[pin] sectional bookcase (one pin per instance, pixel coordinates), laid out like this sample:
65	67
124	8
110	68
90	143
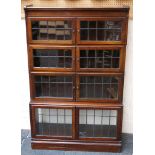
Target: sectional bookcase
76	59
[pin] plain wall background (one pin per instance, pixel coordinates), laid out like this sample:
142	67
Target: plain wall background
127	97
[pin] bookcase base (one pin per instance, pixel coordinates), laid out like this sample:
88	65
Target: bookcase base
106	146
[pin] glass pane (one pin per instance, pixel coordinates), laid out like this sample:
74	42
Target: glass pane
98	87
51	24
61	62
35	24
51	30
68	24
116	53
43	24
68	62
99	58
52	34
53	122
59	24
113	24
84	34
92	24
35	34
54	86
97	123
100	24
52	58
109	35
84	24
68	34
60	34
100	30
43	34
100	34
92	34
115	62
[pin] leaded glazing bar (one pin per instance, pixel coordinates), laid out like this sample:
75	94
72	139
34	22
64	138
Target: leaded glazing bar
99	58
53	122
51	30
97	123
53	86
52	58
98	87
100	30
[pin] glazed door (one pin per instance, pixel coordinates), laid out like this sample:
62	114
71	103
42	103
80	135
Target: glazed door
101	30
99	87
52	122
74	122
99	123
49	58
53	86
101	59
51	30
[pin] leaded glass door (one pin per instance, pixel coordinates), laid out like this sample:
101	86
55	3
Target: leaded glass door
51	30
99	87
49	58
53	86
99	123
52	121
101	31
105	58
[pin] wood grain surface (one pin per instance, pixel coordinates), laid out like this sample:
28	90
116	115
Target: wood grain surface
78	4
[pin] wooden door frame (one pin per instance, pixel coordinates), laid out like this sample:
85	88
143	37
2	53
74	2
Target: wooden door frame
75	121
32	86
119	123
33	121
54	42
120	87
102	47
89	42
30	55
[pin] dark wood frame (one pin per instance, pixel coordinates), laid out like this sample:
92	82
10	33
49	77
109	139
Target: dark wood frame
75	120
104	47
75	143
55	42
119	110
51	74
123	35
32	114
120	87
76	14
76	86
31	47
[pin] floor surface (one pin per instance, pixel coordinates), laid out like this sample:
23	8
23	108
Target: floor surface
26	147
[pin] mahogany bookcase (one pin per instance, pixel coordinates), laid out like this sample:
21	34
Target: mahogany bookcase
76	59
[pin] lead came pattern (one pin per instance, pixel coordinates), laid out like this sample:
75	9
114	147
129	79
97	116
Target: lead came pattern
51	30
53	58
53	122
97	123
99	58
53	86
100	30
98	87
